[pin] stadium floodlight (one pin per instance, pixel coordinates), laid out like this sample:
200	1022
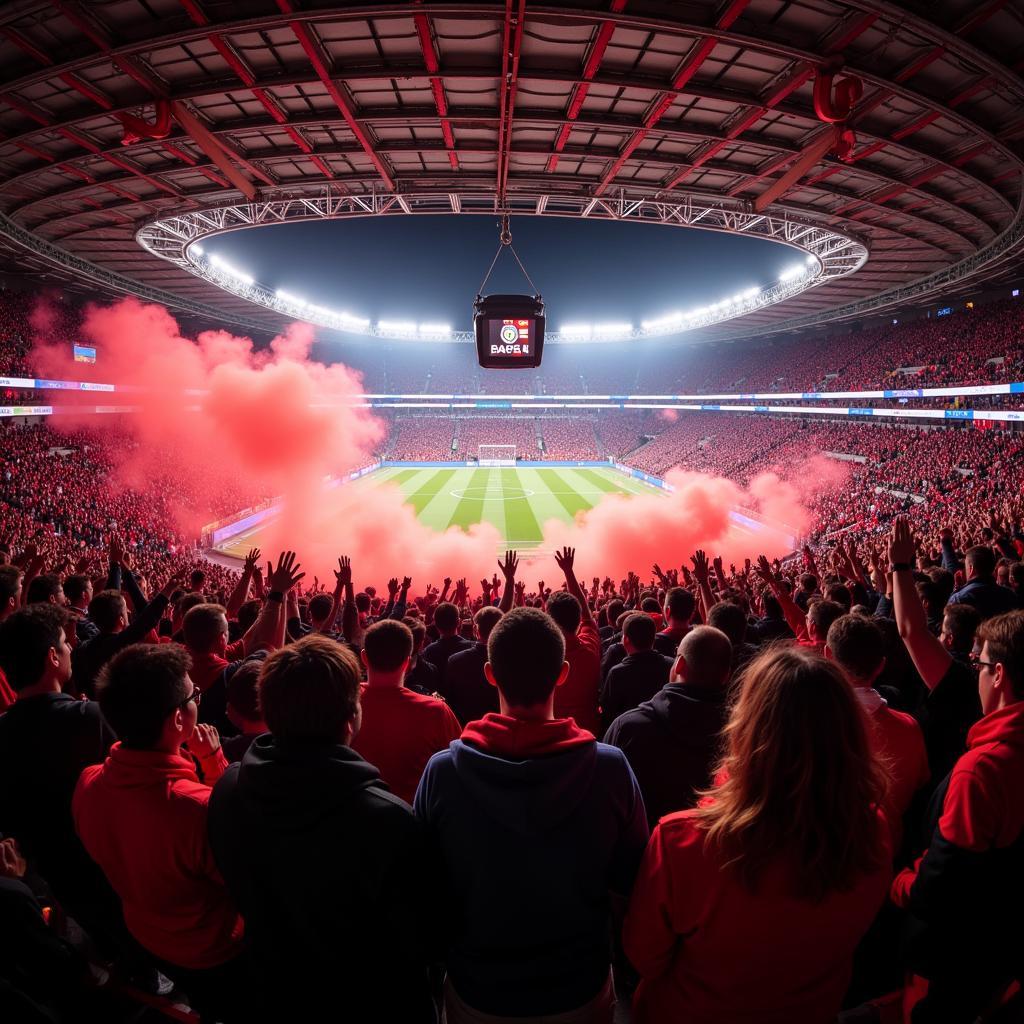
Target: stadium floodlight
441	330
397	326
354	321
669	320
811	260
791	273
611	330
288	297
227	269
752	293
197	249
576	330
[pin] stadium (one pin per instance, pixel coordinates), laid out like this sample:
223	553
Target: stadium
458	463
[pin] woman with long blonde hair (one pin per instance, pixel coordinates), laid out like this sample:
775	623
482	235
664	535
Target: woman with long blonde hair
749	907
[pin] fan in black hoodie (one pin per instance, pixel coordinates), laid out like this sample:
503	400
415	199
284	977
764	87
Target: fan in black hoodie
672	740
318	854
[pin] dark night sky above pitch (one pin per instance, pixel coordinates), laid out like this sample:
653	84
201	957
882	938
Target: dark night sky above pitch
429	268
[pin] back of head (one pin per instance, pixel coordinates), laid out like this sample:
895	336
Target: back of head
203	627
839	593
981	559
363	603
800	779
10	585
446	618
485	620
857	646
639	629
944	580
565	610
808	582
959	624
106	609
679	605
772	608
188	601
650	606
731	620
526	651
45	589
76	588
1016	575
613	609
1004	635
707	653
418	630
821	615
248	614
309	691
140	688
243	690
388	645
26	639
320	608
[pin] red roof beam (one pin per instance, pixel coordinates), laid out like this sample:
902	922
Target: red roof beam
511	47
436	86
319	64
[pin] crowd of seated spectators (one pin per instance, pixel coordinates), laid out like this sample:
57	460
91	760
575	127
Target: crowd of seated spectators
473	431
569	438
423	439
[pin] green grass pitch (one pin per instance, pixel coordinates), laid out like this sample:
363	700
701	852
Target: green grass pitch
517	501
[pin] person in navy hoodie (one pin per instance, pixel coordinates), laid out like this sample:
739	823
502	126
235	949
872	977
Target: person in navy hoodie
537	825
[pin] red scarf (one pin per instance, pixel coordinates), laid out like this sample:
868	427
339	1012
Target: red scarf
505	736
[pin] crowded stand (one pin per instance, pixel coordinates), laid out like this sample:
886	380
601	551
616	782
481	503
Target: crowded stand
244	794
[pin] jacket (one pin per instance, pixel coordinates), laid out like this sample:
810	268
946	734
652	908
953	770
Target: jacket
672	744
466	688
636	678
710	950
987	597
534	822
141	815
327	868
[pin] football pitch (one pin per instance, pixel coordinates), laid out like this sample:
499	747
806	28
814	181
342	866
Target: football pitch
518	501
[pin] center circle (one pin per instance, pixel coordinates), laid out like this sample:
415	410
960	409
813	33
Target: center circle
507	493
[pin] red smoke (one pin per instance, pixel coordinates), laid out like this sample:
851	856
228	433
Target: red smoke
281	423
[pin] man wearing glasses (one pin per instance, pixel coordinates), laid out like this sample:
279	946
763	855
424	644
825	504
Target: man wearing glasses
141	815
965	890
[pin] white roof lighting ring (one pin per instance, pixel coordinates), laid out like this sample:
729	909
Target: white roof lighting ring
827	255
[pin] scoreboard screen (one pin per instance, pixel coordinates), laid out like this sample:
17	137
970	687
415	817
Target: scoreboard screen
509	338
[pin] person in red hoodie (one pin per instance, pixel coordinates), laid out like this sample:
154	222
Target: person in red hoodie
141	815
965	890
750	906
578	696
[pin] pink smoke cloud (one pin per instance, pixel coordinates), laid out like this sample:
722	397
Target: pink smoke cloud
282	423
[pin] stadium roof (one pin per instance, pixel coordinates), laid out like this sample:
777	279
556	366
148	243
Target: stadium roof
557	109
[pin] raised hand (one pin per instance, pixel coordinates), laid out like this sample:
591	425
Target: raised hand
901	542
764	571
252	560
565	559
343	574
286	575
509	565
82	565
176	581
701	567
116	549
393	586
406	583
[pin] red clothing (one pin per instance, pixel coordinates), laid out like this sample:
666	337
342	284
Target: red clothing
141	815
206	669
898	740
400	732
577	697
516	739
7	695
709	950
983	809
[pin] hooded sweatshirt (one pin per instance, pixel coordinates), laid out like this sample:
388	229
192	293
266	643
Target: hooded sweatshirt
327	867
672	743
141	815
535	823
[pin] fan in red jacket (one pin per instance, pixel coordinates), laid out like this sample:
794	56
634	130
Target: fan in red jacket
966	888
750	906
141	816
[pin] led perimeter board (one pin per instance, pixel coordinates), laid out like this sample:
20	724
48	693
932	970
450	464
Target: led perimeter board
509	331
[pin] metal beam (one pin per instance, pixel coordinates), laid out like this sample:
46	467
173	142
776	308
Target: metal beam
511	46
432	65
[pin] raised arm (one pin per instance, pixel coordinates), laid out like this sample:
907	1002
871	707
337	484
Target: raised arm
268	631
349	614
926	651
508	570
795	618
702	574
566	560
241	591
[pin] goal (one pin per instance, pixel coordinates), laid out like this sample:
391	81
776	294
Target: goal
496	454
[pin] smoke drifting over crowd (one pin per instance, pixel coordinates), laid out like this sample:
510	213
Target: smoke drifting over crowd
217	410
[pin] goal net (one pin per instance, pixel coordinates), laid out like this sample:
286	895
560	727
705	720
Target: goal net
496	454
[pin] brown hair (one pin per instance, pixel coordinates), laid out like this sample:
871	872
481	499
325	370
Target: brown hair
1004	635
203	626
798	777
